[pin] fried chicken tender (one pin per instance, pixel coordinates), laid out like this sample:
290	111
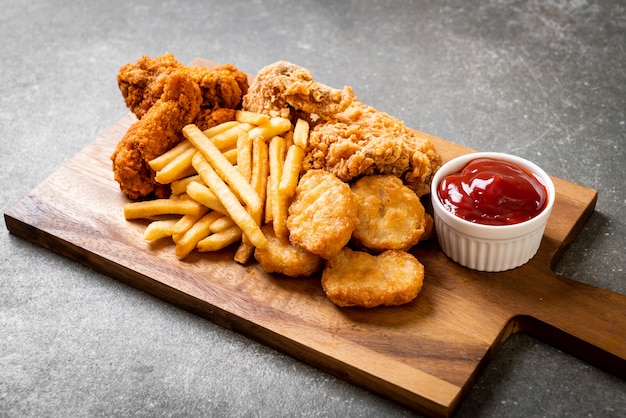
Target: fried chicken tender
391	216
280	256
287	90
356	278
364	141
323	214
165	95
154	134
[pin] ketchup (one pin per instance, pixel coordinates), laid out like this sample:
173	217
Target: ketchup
493	192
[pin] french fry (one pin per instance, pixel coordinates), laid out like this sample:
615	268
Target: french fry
159	229
186	222
278	203
222	167
148	208
177	168
291	171
198	231
224	126
253	118
220	240
161	161
301	133
222	223
268	130
228	138
233	206
244	155
202	194
269	201
231	155
180	186
258	180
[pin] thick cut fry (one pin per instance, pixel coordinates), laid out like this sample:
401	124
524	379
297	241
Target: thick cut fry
244	155
177	168
228	138
269	211
222	167
222	223
291	171
159	229
268	130
301	133
220	240
231	155
278	203
260	171
145	209
186	222
253	118
161	161
233	206
202	194
222	127
197	232
180	186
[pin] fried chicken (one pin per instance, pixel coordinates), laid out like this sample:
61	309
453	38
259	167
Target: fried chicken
348	138
142	84
356	278
165	95
391	216
364	141
156	132
323	214
287	90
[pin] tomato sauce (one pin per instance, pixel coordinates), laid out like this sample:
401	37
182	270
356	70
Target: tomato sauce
493	192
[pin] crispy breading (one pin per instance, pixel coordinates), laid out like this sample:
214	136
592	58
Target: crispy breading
364	141
323	214
280	256
356	278
165	95
287	90
156	132
391	216
142	84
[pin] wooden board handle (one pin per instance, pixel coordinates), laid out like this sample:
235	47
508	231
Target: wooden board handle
583	320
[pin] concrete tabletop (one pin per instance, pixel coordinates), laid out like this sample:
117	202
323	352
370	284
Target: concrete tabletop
542	80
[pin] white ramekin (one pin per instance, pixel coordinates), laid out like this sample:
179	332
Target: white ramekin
488	247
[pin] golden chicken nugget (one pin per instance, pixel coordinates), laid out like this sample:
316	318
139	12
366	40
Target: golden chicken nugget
357	278
323	214
391	216
280	256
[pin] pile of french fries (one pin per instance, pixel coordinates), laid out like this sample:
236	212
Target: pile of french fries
226	182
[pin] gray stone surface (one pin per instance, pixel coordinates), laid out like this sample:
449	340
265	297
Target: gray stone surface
543	80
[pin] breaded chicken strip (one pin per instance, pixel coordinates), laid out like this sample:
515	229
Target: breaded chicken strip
364	141
356	278
287	90
323	214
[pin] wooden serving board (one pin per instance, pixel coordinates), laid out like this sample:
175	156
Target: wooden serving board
425	355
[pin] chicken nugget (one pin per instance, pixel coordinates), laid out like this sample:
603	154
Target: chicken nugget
357	278
323	214
391	216
280	256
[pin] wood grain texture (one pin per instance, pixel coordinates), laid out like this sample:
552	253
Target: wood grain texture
425	355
